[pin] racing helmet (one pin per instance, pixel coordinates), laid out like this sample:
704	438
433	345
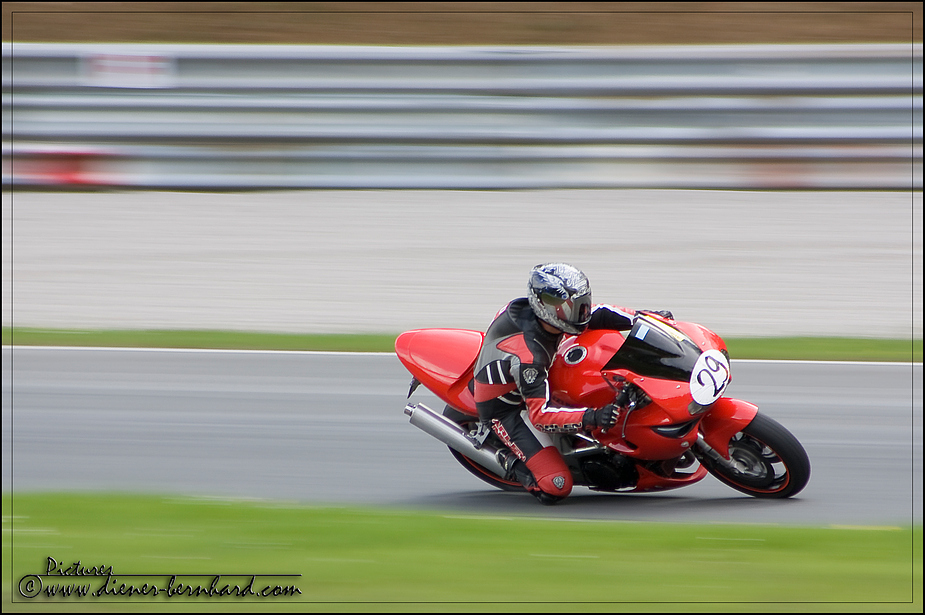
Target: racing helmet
560	295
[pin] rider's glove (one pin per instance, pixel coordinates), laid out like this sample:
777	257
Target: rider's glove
605	417
663	313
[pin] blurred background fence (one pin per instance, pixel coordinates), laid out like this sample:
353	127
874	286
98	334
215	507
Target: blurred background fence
280	116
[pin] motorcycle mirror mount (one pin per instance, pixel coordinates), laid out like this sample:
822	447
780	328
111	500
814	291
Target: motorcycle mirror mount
614	379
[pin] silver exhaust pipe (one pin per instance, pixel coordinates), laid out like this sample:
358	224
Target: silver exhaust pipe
453	436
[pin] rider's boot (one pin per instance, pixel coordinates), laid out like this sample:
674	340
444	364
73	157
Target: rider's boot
518	470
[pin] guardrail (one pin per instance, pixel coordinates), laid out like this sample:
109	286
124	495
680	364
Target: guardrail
227	117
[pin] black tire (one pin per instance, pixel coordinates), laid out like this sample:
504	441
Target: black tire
469	422
775	465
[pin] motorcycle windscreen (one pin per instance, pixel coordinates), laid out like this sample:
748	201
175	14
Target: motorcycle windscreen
657	350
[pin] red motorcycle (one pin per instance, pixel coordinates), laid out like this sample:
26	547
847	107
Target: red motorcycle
675	425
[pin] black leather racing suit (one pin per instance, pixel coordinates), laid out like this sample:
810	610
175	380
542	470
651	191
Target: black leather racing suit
511	375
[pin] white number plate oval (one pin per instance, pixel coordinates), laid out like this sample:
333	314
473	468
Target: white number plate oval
710	377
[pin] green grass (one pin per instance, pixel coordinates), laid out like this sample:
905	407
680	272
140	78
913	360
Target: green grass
198	339
363	559
826	349
794	348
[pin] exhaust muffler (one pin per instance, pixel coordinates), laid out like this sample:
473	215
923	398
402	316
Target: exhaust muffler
454	436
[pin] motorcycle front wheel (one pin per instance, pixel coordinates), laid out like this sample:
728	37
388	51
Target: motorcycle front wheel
469	423
769	461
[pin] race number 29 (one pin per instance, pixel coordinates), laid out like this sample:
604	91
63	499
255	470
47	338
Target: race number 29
710	377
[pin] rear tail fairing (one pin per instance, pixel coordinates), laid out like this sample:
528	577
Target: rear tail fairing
442	360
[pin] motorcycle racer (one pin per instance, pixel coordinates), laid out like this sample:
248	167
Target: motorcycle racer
512	369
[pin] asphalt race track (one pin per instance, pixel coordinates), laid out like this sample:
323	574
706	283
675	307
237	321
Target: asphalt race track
328	428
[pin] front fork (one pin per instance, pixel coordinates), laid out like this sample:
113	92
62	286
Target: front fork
706	450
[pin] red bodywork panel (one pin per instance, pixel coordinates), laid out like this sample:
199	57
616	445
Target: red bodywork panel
578	379
442	359
580	384
700	335
727	417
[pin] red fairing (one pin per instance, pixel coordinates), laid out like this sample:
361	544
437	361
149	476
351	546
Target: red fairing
650	481
575	376
578	378
727	417
578	382
700	335
442	359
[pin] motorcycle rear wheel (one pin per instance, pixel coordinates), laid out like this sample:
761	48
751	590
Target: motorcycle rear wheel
771	462
470	423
